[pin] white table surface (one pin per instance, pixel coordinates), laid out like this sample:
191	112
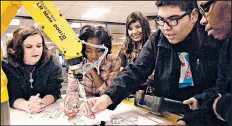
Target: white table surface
124	114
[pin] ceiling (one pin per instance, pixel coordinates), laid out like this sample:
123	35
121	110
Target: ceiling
119	10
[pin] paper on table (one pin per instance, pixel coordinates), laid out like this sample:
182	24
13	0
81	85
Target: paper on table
124	114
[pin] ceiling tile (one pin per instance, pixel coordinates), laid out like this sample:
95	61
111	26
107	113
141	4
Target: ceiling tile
110	6
96	4
119	10
87	3
148	9
23	12
125	8
78	9
72	15
63	7
64	2
136	2
115	16
114	2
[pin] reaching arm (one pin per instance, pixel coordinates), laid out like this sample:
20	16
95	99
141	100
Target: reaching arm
72	94
134	74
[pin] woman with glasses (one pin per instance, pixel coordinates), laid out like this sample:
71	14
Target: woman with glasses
94	84
183	56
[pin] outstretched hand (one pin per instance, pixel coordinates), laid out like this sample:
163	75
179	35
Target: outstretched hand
96	105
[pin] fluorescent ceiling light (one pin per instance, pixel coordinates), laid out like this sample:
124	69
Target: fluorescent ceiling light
76	25
95	13
15	22
9	34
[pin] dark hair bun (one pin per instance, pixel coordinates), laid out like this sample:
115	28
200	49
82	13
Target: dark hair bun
86	32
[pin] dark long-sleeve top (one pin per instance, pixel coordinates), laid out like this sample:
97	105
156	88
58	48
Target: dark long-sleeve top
224	80
225	67
162	56
47	79
205	115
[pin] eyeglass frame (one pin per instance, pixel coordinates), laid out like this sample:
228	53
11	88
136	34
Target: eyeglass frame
165	20
204	8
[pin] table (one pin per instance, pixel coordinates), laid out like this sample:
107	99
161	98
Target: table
124	114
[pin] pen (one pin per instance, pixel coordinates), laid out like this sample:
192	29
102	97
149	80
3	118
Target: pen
198	63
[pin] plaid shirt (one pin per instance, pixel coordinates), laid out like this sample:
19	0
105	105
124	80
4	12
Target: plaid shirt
109	69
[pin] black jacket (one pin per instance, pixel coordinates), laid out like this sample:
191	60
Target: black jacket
224	80
47	79
162	56
205	114
225	67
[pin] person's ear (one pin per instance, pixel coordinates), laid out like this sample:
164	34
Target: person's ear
194	15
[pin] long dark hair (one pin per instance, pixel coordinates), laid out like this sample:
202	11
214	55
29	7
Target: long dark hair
15	51
99	32
129	44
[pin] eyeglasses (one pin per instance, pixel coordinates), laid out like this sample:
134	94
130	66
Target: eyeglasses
204	8
171	22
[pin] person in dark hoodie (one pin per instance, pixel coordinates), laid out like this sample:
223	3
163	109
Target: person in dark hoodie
183	56
34	74
215	103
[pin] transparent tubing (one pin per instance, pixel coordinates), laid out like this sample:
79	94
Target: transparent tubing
98	62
